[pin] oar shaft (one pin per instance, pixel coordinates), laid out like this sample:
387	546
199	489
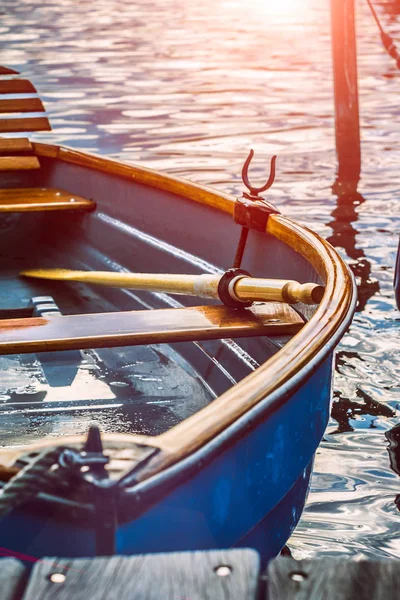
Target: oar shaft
204	286
277	290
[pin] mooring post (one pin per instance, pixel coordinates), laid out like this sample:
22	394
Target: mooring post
344	52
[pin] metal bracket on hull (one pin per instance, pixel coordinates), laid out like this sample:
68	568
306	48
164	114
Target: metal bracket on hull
89	466
251	210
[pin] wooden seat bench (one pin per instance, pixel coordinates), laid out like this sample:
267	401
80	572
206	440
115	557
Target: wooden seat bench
17	154
15	123
16	145
41	199
19	163
12	148
131	328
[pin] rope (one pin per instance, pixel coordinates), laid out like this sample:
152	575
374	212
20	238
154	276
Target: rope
34	478
387	40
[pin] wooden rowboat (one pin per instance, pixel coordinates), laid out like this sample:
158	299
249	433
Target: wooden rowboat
211	414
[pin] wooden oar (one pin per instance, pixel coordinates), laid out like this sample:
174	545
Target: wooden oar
242	288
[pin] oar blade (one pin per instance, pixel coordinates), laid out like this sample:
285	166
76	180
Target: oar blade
60	274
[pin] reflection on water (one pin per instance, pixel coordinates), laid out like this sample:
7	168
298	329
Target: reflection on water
189	88
344	236
346	411
391	8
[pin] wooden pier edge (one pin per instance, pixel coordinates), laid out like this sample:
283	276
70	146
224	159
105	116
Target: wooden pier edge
200	575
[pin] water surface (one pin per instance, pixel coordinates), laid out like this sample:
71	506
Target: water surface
188	88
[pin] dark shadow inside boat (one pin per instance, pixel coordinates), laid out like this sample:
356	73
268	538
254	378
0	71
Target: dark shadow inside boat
135	389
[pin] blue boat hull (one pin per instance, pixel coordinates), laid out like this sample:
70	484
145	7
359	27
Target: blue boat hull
247	491
234	469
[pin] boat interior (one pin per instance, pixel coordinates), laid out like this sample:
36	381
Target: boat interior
126	368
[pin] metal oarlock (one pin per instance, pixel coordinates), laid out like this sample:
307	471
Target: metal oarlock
245	177
252	211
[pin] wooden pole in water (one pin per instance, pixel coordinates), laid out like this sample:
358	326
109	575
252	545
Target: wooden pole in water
346	95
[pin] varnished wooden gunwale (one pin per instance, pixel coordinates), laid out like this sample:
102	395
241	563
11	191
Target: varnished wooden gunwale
331	315
295	355
131	328
176	185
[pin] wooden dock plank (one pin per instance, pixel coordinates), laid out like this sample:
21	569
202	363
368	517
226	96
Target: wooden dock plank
333	579
19	163
200	575
13	576
41	199
130	328
175	576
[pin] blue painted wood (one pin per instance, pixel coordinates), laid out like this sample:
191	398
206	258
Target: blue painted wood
229	497
251	493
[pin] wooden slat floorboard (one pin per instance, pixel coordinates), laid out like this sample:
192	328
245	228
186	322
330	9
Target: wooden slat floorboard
18	163
41	199
24	124
8	145
131	328
333	579
13	576
21	105
198	576
175	576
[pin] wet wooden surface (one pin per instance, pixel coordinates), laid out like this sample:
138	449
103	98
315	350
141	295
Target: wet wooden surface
211	575
145	327
40	199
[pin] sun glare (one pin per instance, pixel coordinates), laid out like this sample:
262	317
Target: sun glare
280	7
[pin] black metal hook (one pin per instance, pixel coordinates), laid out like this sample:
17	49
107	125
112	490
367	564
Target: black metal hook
253	190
